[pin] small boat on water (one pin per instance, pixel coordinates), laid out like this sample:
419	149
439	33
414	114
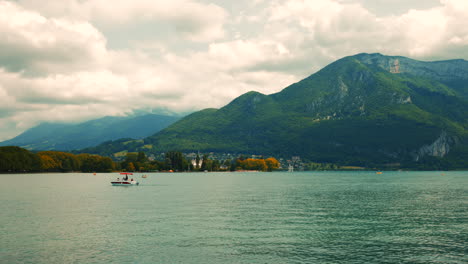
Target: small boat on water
124	181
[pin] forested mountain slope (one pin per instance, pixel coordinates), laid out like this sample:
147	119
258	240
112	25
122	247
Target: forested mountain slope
367	109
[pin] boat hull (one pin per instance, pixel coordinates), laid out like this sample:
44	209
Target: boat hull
124	183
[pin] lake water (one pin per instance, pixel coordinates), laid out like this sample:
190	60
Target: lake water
303	217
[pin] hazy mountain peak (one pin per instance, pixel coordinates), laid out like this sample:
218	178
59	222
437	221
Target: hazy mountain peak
55	136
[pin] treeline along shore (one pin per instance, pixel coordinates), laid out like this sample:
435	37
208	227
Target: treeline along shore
20	160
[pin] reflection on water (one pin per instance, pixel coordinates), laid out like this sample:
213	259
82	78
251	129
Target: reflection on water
313	217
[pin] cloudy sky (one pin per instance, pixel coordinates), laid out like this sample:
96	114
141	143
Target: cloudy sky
75	60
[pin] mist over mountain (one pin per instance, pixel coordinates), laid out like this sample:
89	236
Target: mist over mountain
50	136
367	109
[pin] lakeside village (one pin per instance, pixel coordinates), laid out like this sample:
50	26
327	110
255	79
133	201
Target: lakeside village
16	159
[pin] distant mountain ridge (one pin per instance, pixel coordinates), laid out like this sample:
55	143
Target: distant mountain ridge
367	109
66	137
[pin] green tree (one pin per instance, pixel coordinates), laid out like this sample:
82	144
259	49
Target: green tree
215	165
197	162
131	157
142	157
16	159
95	163
175	161
205	161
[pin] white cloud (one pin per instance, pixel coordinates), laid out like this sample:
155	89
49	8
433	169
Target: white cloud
242	55
59	61
35	44
187	18
332	29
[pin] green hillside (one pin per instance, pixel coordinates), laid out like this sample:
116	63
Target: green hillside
367	110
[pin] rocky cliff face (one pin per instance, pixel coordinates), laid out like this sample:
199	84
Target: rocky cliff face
439	148
439	70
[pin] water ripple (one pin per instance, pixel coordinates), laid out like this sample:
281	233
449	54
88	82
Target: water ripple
326	217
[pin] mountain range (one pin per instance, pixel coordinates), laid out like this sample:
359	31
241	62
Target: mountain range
66	137
365	110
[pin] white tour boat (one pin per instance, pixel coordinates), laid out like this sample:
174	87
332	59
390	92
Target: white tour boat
125	181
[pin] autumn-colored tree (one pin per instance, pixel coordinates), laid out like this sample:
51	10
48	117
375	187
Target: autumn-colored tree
48	163
261	165
272	164
130	166
258	164
64	161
